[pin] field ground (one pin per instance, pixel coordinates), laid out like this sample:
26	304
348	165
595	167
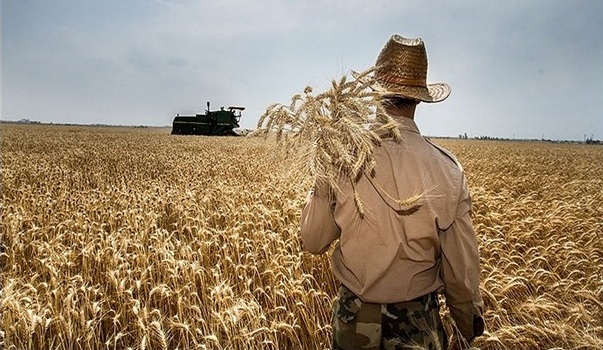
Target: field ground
116	238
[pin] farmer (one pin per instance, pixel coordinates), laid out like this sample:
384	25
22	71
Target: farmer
393	261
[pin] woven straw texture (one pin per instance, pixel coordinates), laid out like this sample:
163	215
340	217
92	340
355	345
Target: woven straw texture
401	71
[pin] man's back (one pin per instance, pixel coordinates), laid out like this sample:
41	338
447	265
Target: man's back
392	254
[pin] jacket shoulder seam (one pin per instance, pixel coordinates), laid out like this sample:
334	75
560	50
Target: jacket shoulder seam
446	153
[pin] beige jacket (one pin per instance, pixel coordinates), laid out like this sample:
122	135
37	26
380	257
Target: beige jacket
397	253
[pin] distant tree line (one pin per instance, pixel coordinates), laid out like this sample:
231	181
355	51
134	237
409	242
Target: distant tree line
27	121
588	141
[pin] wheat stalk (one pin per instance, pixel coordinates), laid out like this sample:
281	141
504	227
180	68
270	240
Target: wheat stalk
103	243
333	134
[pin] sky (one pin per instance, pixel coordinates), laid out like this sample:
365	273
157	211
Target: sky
517	68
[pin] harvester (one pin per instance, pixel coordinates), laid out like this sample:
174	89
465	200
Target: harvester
214	123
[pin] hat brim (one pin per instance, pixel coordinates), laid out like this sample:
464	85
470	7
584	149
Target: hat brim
432	93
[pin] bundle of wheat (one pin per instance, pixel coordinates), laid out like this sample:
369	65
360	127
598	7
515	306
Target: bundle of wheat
332	135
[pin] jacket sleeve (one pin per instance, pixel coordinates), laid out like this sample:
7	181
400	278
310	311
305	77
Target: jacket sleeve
461	270
318	226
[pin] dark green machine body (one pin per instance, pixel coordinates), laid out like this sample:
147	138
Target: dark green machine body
215	123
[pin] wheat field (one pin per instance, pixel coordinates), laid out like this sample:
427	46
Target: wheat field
131	238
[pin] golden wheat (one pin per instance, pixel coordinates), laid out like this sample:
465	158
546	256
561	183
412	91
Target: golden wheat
332	135
119	238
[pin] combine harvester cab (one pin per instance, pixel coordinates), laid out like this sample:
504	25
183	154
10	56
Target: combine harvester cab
212	123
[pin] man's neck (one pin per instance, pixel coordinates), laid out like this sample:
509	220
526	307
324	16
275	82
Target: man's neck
407	111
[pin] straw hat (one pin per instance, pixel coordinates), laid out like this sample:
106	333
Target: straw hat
401	71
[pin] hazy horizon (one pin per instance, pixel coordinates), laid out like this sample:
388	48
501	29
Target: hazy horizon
518	69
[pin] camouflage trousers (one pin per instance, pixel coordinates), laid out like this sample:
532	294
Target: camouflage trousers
413	324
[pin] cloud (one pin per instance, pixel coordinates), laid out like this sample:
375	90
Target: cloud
177	61
143	62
